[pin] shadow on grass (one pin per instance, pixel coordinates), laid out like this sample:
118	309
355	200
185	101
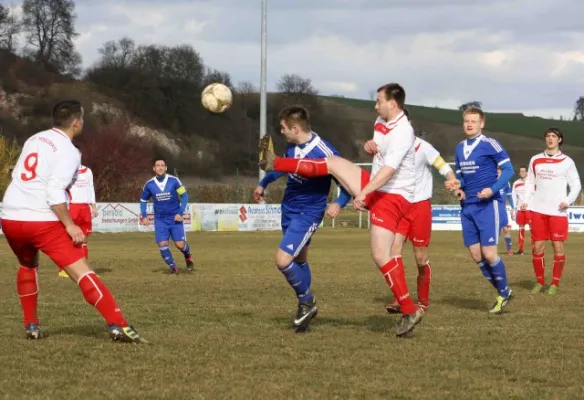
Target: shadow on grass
523	284
374	323
94	331
467	303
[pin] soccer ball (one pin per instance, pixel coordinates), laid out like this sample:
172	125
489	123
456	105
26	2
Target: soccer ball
216	98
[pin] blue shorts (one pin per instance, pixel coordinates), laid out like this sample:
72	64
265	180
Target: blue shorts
503	219
298	230
164	229
481	223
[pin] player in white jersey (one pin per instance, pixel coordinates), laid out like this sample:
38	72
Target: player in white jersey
35	217
521	217
417	224
82	205
549	176
388	192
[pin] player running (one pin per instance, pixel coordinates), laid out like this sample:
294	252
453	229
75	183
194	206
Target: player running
417	224
170	199
522	217
477	158
546	194
303	208
387	192
82	205
35	217
505	194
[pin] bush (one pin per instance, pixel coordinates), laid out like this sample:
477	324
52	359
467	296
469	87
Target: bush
9	152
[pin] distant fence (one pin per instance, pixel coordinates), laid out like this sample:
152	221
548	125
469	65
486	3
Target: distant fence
124	217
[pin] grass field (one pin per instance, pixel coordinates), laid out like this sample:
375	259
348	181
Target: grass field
224	331
497	122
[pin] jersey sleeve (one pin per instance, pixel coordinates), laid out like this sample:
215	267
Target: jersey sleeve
180	188
499	154
145	194
399	142
62	173
574	183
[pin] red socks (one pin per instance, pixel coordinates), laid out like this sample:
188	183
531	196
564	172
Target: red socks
521	239
303	167
84	245
28	291
99	296
539	268
559	262
424	279
395	276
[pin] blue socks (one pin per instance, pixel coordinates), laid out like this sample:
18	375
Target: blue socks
307	274
499	274
186	250
508	242
486	270
299	280
167	256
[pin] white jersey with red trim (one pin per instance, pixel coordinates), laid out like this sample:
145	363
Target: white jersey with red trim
518	193
395	144
44	171
425	156
548	179
82	191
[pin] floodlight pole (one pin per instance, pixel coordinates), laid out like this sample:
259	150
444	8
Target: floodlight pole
263	91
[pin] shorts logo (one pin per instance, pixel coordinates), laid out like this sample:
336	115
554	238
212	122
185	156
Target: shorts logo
290	246
375	218
491	240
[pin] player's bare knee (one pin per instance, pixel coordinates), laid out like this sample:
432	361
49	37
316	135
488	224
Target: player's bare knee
421	255
539	247
558	247
163	244
475	253
283	259
490	254
180	245
77	269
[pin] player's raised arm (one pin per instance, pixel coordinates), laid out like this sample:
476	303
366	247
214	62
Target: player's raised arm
574	183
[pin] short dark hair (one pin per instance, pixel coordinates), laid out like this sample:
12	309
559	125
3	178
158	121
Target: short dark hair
394	91
296	115
158	159
65	112
557	132
474	110
406	113
523	166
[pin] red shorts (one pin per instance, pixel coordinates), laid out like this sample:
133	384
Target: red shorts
81	215
548	227
386	209
417	224
523	217
27	238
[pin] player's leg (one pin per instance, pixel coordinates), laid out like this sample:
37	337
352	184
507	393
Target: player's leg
559	232
19	239
54	241
539	235
179	237
471	239
162	236
520	219
397	248
296	237
302	261
347	173
487	219
504	223
508	241
420	235
389	210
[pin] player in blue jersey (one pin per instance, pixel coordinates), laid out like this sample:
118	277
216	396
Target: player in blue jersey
170	199
303	208
477	158
505	194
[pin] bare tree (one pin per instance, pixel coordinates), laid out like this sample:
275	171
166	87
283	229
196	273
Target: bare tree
297	85
214	75
579	109
50	29
9	29
117	54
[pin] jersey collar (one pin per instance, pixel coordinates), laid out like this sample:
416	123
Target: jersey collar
60	132
545	153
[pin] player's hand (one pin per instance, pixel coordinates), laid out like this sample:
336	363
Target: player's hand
453	184
512	213
460	195
145	221
178	218
563	205
333	210
486	193
359	203
76	234
259	194
523	207
370	147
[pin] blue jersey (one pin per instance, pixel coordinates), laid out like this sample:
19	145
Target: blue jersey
306	195
477	160
506	194
168	194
